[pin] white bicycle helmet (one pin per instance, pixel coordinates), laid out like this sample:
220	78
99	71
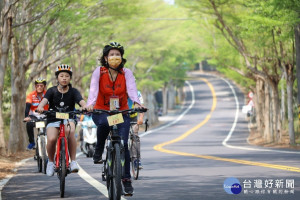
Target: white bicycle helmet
63	68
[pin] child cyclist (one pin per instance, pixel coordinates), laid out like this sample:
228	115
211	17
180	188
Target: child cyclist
61	96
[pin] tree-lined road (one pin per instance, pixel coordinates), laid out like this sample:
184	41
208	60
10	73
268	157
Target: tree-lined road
188	159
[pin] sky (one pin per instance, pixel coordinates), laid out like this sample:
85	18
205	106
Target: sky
170	1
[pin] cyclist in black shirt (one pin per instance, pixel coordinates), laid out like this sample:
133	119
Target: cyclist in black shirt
61	96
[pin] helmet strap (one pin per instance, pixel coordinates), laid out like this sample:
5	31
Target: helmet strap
62	86
117	69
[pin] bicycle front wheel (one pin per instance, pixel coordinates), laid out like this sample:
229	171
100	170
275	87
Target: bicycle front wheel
38	157
134	160
43	155
62	168
116	176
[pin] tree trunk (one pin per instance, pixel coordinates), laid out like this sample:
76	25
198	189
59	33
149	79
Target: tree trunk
259	106
268	136
275	110
171	96
17	137
5	39
181	95
165	99
79	73
289	87
151	104
282	113
297	46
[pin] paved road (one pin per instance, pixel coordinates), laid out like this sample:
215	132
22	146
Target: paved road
191	158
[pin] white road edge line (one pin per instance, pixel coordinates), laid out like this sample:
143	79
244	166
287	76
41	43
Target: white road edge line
234	125
93	182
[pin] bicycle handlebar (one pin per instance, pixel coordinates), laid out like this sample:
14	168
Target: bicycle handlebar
129	111
71	113
37	120
34	118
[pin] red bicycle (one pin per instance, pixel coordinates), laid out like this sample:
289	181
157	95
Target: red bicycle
62	164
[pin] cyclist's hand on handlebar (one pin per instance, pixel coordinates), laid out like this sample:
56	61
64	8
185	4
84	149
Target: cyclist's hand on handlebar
89	108
26	119
139	122
83	108
40	109
138	106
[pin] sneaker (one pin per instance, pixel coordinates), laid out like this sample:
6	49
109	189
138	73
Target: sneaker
50	169
97	157
140	165
74	167
128	189
31	146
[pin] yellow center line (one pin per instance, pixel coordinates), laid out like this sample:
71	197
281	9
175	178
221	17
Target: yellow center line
159	147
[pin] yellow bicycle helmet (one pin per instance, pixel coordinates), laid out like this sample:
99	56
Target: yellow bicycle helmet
40	80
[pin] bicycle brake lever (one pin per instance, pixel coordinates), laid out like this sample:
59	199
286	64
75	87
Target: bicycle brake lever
146	124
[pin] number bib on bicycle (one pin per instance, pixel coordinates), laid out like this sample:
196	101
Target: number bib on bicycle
115	119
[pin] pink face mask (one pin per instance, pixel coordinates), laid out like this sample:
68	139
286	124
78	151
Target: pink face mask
114	61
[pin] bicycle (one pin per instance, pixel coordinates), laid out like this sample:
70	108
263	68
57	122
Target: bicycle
113	165
41	141
62	164
134	150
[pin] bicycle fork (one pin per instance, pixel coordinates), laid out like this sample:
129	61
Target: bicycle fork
122	150
107	169
60	138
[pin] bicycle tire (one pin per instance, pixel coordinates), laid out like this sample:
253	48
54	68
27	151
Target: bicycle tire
117	170
90	150
38	158
134	168
62	168
43	156
108	175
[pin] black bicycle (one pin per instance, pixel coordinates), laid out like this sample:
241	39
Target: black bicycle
134	148
113	165
41	141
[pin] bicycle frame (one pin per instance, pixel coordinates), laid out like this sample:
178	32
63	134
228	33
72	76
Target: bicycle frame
112	139
61	136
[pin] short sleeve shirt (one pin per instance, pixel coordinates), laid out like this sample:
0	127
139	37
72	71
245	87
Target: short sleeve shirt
63	100
34	99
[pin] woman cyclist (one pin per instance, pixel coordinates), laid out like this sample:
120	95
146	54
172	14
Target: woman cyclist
61	96
112	83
